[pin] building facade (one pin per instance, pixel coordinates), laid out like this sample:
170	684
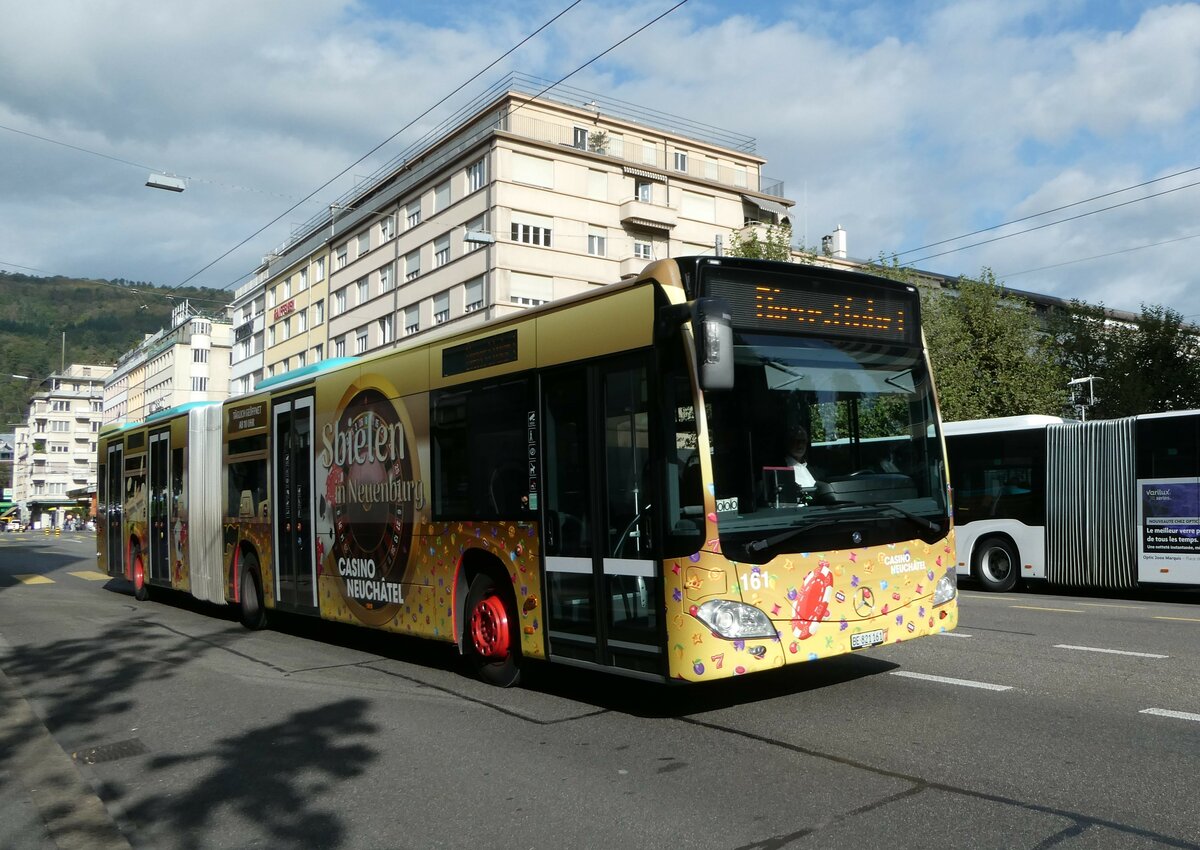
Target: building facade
54	463
517	201
189	362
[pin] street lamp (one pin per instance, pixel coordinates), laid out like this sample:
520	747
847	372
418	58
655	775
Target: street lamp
165	181
1082	406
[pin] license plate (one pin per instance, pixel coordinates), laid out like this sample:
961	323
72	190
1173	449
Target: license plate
862	640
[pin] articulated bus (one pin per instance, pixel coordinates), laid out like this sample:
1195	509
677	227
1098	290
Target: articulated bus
1106	504
592	482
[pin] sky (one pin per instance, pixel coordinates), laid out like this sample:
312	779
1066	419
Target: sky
1053	143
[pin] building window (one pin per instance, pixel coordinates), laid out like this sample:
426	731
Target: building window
363	294
475	176
530	289
441	197
642	190
339	302
60	405
360	341
642	250
441	308
199	385
318	353
579	138
412	266
199	355
681	161
412	319
473	295
300	361
386	228
596	245
531	234
385	279
387	330
302	280
287	289
270	298
413	214
364	243
318	311
339	257
441	250
271	335
301	321
319	270
339	347
59	448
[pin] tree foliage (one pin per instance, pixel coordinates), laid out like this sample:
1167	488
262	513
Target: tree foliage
1149	366
990	356
774	244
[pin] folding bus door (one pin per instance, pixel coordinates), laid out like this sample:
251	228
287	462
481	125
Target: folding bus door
292	503
159	476
603	581
114	494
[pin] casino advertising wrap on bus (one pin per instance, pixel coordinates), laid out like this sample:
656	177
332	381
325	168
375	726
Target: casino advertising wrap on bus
371	493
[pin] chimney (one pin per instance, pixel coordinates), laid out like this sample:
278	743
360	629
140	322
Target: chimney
838	240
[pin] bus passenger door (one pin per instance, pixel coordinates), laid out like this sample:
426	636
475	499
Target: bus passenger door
603	590
292	504
114	535
159	518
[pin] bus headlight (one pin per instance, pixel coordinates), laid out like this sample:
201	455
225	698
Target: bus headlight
947	588
735	620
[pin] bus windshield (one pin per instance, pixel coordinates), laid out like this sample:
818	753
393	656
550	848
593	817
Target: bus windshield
825	444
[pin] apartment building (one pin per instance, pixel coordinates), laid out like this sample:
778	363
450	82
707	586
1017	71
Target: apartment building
188	362
515	201
54	462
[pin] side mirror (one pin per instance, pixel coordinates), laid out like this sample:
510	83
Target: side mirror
712	325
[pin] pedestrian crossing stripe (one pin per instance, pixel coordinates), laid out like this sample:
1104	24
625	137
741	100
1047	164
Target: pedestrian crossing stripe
90	575
32	578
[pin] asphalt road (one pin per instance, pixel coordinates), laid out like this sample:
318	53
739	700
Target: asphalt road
1048	720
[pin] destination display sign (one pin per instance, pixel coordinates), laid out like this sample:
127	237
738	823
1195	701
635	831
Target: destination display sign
817	305
492	350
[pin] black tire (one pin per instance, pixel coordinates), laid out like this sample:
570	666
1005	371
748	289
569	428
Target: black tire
141	587
251	610
491	636
996	564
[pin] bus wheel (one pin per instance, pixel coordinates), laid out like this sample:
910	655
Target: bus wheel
251	610
997	564
141	590
491	638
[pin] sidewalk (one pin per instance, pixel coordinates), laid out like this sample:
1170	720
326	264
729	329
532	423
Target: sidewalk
45	802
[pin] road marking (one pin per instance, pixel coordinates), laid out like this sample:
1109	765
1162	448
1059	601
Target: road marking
1178	619
947	681
90	575
1056	610
1164	712
1099	605
953	634
1109	651
32	578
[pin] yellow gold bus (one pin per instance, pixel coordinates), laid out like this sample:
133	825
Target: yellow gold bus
602	481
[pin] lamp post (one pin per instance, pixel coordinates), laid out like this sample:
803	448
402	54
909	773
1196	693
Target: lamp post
1082	406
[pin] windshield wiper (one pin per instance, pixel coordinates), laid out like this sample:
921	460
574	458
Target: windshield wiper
783	537
924	522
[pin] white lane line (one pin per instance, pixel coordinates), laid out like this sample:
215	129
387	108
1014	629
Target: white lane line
953	634
967	683
1107	605
1165	712
1109	651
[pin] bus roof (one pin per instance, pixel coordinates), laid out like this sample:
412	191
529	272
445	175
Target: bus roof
304	372
999	423
177	409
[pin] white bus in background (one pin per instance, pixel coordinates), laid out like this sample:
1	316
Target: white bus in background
1109	503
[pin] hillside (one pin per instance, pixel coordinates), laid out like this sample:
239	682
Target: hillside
102	320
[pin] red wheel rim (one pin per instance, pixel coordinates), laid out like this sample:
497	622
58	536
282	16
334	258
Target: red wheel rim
139	574
489	628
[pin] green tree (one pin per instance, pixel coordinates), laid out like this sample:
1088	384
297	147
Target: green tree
776	243
1147	366
990	355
